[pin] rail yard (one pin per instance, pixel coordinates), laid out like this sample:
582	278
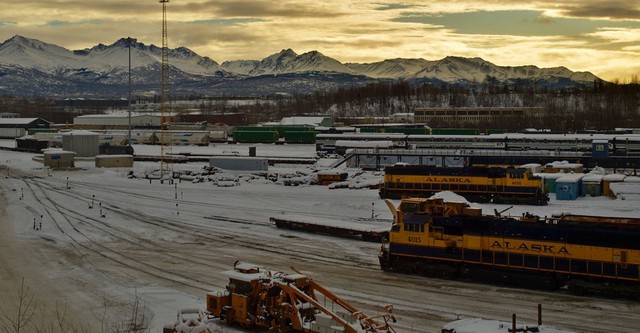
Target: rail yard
93	238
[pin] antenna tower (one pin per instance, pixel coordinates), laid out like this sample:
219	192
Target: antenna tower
166	167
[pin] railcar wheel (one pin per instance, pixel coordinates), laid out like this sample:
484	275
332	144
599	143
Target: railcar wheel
577	288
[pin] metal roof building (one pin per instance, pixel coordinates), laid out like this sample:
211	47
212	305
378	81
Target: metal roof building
17	127
119	120
303	120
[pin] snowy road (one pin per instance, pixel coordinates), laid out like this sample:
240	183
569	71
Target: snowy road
169	244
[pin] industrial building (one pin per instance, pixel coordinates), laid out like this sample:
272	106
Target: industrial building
307	120
119	121
474	114
11	128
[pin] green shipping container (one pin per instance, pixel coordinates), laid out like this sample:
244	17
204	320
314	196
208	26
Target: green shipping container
255	136
455	131
280	129
254	128
371	130
496	131
300	137
409	131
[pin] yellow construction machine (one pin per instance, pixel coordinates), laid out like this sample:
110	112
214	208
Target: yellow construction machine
256	298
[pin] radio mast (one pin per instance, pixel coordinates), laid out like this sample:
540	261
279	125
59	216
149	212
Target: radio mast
165	102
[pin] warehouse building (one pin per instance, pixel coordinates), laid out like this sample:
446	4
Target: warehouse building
11	128
120	121
474	114
307	120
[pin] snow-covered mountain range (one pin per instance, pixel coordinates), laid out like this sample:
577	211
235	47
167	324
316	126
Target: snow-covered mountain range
35	68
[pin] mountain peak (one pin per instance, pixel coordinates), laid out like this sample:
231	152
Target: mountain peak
124	42
287	52
102	66
26	42
18	39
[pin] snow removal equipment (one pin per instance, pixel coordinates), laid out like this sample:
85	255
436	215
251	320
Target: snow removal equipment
256	298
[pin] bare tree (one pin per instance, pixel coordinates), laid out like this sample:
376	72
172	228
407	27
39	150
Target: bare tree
138	318
61	322
23	314
135	319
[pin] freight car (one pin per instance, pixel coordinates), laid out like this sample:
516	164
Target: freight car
480	184
255	136
617	144
451	239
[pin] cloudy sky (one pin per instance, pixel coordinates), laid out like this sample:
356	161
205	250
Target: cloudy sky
599	36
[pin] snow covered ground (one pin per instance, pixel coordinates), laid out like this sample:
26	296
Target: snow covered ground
106	237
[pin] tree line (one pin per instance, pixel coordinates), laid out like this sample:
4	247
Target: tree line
601	106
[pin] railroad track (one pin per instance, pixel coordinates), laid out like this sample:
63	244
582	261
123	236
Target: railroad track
422	304
200	232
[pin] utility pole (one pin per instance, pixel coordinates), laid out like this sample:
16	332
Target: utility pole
130	40
165	102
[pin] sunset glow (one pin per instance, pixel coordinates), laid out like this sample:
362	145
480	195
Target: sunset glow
598	36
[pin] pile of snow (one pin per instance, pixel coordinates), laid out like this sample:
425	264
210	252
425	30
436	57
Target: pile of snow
629	189
450	196
535	167
361	180
296	179
225	179
563	166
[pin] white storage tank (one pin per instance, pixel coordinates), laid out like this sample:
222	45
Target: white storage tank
83	143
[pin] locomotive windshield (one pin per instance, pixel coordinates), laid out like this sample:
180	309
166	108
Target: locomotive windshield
517	173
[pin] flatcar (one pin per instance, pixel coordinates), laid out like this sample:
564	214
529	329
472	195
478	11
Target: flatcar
480	184
453	240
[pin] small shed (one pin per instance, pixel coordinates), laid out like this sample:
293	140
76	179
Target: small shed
608	180
568	187
592	184
600	149
114	161
59	159
238	163
84	143
549	180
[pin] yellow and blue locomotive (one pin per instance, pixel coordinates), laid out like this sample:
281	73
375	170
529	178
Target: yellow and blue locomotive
450	239
480	184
